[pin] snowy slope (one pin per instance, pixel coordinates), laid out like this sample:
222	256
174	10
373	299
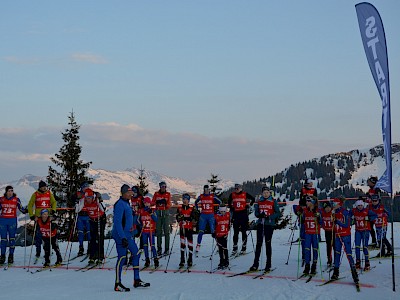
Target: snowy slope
97	284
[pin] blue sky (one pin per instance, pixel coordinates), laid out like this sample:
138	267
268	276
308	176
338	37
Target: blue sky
242	89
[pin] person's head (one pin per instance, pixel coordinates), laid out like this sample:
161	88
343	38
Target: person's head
147	201
222	209
310	202
206	189
359	204
337	203
163	186
266	191
89	195
238	187
126	191
44	214
185	198
42	186
375	199
327	206
308	184
371	181
135	190
9	191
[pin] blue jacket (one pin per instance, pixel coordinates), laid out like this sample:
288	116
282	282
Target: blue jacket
271	220
124	220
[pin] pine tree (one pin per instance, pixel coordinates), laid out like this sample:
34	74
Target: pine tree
143	186
71	173
213	182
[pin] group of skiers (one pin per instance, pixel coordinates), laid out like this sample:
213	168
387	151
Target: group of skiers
367	212
143	217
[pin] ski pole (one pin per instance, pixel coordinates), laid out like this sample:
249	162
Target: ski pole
298	251
291	243
25	242
33	241
319	253
70	249
212	253
169	256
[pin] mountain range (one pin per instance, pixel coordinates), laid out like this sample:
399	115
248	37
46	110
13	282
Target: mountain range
342	173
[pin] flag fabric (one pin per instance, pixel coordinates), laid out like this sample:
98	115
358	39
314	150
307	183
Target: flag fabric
374	41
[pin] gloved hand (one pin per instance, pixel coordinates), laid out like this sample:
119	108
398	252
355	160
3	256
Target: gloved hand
125	243
266	218
148	209
179	217
213	235
32	218
317	214
261	215
366	218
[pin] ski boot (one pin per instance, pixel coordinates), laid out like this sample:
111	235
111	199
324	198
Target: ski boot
159	252
81	251
267	267
306	269
354	274
118	287
335	275
156	263
182	263
388	253
234	250
2	259
46	264
313	269
358	264
190	260
253	268
91	261
10	259
147	263
243	250
367	266
226	264
138	283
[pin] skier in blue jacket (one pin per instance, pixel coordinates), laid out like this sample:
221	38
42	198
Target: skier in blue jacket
124	235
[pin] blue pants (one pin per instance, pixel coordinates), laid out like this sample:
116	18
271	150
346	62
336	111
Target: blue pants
362	237
83	226
303	240
121	261
204	219
8	228
345	242
146	239
38	240
311	240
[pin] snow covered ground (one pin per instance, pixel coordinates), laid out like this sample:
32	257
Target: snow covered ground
60	283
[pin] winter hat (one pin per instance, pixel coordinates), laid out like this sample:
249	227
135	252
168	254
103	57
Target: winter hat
359	202
44	211
222	208
42	184
307	182
125	188
162	184
186	196
265	188
373	179
375	197
89	193
237	185
147	200
206	186
9	187
135	189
